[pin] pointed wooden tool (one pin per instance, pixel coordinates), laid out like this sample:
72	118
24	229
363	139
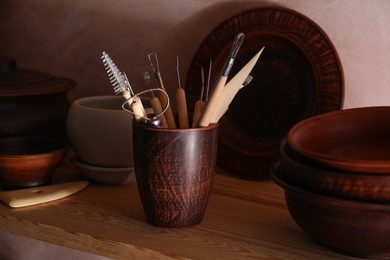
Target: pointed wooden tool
232	87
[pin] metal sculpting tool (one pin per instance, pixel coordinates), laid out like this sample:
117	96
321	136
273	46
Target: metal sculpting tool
181	100
155	102
199	104
214	99
122	86
156	70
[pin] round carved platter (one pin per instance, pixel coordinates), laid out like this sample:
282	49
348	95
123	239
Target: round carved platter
297	76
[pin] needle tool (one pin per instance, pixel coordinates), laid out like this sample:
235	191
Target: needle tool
122	87
155	102
215	96
208	81
199	104
163	98
181	100
233	86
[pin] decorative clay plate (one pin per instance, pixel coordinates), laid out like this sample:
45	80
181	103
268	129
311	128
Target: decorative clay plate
297	76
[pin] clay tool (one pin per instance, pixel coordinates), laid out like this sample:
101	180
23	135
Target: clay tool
208	81
31	196
155	102
226	99
199	104
181	100
215	96
122	87
163	99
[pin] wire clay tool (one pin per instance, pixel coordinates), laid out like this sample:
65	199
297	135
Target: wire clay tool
233	86
155	102
181	100
163	98
215	96
122	87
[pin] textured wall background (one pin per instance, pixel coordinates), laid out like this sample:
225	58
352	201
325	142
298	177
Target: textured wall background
66	38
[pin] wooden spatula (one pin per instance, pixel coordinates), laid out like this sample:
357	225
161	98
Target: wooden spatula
41	194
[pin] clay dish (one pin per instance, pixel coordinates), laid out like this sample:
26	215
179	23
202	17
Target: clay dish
356	228
105	175
292	80
354	140
29	161
308	174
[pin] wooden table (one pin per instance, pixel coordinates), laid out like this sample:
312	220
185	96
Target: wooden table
244	219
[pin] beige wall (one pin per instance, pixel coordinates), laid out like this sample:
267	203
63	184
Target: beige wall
67	37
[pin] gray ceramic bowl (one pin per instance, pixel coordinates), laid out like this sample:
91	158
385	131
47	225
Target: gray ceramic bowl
100	131
105	175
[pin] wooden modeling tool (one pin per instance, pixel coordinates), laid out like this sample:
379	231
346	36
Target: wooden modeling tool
155	102
31	196
226	98
214	99
122	87
181	100
233	86
164	101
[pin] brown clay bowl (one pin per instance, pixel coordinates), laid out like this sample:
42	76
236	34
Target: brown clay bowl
356	228
310	175
29	161
356	140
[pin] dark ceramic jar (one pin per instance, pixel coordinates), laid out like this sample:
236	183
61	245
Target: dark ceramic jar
32	103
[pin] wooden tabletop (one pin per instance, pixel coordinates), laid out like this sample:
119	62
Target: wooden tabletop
244	219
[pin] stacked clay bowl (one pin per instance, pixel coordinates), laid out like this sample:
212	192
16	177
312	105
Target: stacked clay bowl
335	170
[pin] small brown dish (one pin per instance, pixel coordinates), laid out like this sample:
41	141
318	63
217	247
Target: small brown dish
355	228
308	174
29	161
354	140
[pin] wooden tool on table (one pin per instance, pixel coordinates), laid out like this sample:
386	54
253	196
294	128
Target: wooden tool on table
36	195
214	99
232	87
156	103
122	87
181	101
164	101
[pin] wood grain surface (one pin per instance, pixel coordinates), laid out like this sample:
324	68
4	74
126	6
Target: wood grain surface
244	219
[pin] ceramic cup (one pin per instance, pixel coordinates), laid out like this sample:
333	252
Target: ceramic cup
174	171
100	131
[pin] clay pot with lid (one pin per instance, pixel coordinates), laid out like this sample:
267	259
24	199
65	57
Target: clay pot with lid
32	103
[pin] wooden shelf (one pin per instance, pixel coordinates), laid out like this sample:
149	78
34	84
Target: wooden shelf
244	219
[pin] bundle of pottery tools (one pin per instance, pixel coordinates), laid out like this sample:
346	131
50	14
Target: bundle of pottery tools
206	111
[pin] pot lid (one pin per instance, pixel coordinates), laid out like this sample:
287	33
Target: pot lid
24	82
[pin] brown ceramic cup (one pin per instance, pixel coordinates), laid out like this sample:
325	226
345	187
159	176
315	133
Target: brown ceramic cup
174	171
